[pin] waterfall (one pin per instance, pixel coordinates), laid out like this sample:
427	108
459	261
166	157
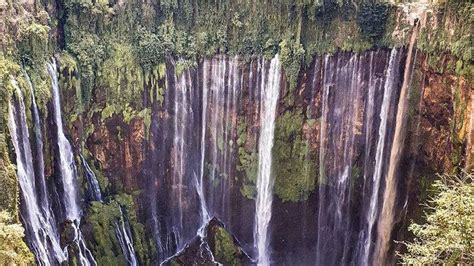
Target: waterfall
93	184
270	88
124	236
357	103
219	106
200	182
67	167
179	123
385	223
379	157
40	229
40	178
470	137
66	157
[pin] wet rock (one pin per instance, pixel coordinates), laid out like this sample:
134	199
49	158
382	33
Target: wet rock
217	246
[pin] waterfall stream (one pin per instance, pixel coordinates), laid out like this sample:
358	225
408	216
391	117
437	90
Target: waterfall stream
67	167
124	236
358	96
387	216
93	184
36	214
270	88
379	157
353	96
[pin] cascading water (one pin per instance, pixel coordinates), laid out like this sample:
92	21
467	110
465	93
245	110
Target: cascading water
270	88
379	157
93	184
40	178
353	99
39	222
124	236
351	95
220	92
67	167
387	213
200	182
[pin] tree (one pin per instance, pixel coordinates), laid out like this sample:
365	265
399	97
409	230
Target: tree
447	237
13	251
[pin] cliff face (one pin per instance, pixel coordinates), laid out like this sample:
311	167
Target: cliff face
158	115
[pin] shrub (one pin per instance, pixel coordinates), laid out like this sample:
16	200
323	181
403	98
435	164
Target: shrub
372	18
447	236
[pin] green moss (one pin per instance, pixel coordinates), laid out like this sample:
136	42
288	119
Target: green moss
451	34
89	50
292	54
13	250
294	169
106	248
457	129
9	190
225	249
372	18
248	162
107	112
102	218
33	43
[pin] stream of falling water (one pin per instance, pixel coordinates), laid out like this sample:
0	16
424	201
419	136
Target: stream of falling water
39	221
200	182
270	89
353	99
218	127
67	167
358	95
387	213
379	162
124	236
94	188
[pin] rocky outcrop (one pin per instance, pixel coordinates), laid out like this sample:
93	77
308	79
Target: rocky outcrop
216	247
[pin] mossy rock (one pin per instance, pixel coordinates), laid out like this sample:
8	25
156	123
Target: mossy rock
293	162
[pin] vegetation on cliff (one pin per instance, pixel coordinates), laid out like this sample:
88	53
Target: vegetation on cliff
294	167
13	251
447	237
112	57
103	218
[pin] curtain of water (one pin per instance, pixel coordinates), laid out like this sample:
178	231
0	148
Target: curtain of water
36	213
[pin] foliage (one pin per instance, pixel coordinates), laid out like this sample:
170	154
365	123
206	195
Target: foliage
248	162
9	194
13	251
154	48
447	237
295	174
249	165
225	249
372	18
292	54
33	43
121	77
448	30
102	217
89	50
